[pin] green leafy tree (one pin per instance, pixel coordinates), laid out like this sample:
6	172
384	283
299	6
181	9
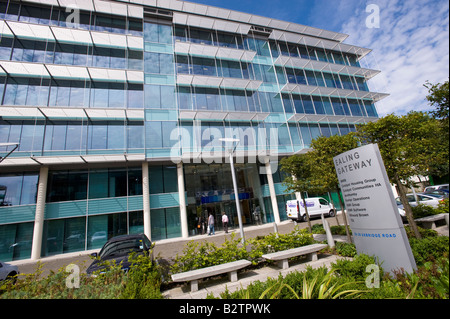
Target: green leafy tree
439	98
324	149
315	171
299	178
409	146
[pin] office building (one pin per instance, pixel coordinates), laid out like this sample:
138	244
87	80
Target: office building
113	113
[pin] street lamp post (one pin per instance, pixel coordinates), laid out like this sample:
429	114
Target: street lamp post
233	175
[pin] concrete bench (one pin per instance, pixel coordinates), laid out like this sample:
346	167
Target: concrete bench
283	256
194	275
430	222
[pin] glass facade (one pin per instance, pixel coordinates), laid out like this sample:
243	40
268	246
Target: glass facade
98	97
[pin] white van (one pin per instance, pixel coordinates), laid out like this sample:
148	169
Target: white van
316	207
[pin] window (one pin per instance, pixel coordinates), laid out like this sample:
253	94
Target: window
157	33
165	223
67	186
64	236
308	104
323	201
16	233
18	189
135	135
103	227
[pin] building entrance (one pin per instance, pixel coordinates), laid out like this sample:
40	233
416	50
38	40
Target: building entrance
210	191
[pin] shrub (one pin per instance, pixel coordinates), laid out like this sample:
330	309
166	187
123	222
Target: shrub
355	268
442	207
335	230
339	230
198	255
142	281
426	249
425	233
345	249
422	210
311	284
272	242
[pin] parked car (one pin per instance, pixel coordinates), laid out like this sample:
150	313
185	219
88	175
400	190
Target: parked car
442	188
426	199
118	249
316	206
8	272
430	199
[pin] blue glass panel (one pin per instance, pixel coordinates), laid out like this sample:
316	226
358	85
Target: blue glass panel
308	104
298	105
318	105
98	184
306	135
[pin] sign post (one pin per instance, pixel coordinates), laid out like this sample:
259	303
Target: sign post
371	208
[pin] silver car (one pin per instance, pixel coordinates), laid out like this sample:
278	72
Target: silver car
8	271
426	199
431	200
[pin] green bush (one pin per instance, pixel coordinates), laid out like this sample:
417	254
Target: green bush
429	248
425	233
142	281
273	242
422	210
311	284
345	249
355	268
198	255
335	230
442	207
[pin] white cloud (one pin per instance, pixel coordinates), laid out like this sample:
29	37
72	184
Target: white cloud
410	47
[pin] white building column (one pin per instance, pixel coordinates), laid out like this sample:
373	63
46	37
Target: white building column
273	194
146	200
39	215
182	200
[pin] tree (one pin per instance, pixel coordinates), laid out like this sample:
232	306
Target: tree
324	149
439	98
409	146
315	171
298	180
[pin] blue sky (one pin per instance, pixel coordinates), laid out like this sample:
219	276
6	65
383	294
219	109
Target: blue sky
410	47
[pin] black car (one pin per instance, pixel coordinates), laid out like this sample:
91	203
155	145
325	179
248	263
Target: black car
118	249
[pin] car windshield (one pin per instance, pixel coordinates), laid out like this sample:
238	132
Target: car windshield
122	247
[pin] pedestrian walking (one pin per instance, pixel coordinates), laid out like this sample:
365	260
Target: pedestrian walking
225	222
211	224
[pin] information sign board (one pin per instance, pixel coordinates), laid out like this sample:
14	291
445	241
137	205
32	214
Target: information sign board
371	208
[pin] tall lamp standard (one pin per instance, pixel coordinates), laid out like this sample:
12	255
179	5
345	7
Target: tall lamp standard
231	149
